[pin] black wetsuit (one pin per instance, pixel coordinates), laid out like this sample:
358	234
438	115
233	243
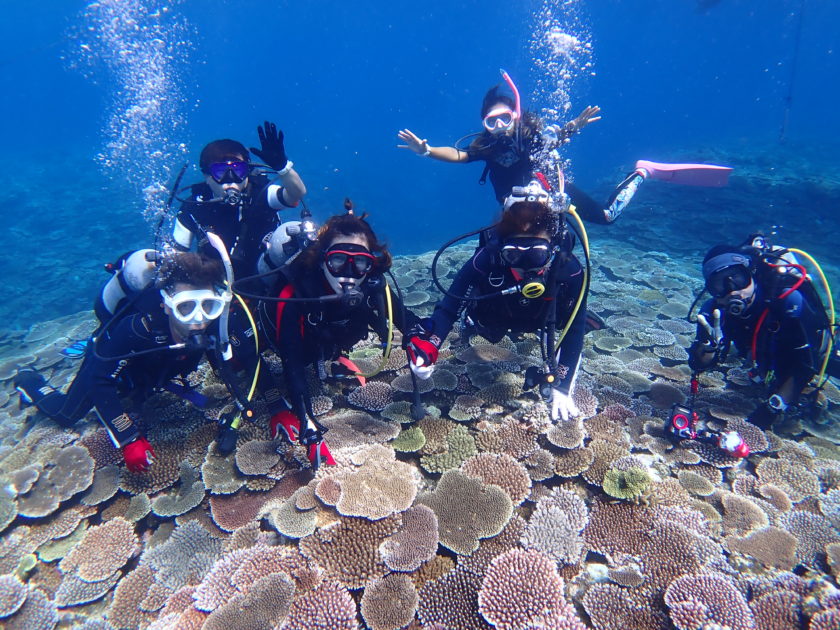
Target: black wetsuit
242	227
303	333
789	340
100	380
494	317
512	160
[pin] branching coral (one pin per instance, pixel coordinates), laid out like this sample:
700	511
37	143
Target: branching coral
389	603
326	607
697	599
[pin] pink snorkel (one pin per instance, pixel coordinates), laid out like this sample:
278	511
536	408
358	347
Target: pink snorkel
517	109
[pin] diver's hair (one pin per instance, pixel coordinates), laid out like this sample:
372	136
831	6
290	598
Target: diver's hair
495	95
347	225
526	217
190	268
222	151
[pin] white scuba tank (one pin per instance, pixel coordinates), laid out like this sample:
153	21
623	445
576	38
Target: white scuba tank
280	247
136	274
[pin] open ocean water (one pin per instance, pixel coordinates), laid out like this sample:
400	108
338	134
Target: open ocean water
105	101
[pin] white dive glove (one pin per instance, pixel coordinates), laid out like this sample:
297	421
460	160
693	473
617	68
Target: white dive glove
562	406
420	369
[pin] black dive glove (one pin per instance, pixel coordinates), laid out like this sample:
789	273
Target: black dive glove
272	151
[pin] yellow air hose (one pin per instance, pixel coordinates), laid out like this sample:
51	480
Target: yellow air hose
831	312
585	242
238	419
387	354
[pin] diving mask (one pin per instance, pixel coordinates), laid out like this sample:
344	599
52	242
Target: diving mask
197	306
526	252
499	119
348	260
725	281
230	172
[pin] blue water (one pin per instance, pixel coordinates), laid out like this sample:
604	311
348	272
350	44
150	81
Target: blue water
677	80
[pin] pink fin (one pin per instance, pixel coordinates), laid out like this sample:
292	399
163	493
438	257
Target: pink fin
346	362
687	174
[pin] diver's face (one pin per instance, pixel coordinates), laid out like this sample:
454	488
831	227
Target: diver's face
347	261
198	306
500	120
747	294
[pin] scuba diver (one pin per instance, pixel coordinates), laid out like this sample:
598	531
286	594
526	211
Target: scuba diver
328	298
764	303
524	278
236	200
145	349
515	144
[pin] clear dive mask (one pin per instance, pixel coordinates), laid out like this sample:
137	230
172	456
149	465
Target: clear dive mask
499	119
198	306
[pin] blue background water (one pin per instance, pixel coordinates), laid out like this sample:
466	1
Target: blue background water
675	81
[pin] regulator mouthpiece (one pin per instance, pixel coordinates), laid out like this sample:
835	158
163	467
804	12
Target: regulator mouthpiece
231	196
532	290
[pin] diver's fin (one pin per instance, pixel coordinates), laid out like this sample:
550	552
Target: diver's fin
593	322
687	174
76	350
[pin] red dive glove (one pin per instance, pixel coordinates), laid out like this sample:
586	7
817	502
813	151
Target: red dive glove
422	351
138	455
288	423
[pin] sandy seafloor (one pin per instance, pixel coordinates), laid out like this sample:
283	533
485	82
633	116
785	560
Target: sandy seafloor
483	514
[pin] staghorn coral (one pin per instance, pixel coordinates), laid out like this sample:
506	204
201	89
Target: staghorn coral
188	495
502	470
451	602
12	595
373	396
414	543
626	484
467	510
389	603
522	589
348	549
264	606
771	546
328	606
707	598
103	550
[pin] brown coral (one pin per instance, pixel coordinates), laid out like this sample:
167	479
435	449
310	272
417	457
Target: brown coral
389	603
328	606
467	510
414	543
502	470
771	546
348	550
522	589
103	550
707	598
451	602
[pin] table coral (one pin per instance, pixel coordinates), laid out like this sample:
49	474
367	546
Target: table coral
522	589
452	602
467	510
103	550
697	599
389	603
328	606
502	470
771	546
414	543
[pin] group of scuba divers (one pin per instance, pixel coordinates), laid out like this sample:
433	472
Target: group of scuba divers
232	281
